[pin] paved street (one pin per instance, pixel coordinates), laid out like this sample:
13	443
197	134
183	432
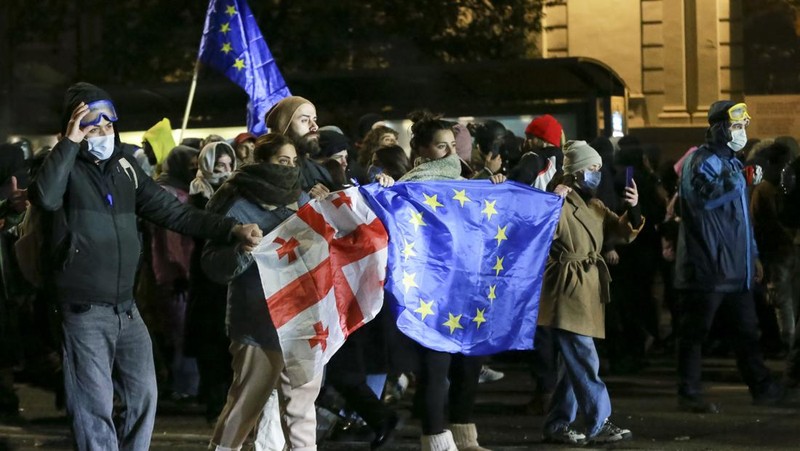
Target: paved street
644	403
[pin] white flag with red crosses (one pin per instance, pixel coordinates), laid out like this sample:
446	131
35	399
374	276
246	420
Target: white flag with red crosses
322	271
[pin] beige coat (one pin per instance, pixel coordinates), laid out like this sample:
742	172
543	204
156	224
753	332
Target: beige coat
576	279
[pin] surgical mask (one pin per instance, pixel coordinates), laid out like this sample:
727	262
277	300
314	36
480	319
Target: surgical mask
738	140
101	146
591	179
373	172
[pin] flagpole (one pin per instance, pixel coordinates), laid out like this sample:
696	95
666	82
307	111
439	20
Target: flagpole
189	100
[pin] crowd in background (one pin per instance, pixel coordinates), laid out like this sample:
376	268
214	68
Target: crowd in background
184	307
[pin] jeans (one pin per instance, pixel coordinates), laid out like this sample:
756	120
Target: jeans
697	314
579	387
106	350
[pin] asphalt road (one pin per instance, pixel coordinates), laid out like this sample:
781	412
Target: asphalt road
644	403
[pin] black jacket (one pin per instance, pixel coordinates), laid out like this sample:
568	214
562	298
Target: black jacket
95	256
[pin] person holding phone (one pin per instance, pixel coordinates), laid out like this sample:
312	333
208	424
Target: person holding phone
575	292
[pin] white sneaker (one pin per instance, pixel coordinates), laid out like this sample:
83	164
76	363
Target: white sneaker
610	433
489	375
565	436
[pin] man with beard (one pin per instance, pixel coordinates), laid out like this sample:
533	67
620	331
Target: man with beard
296	118
717	260
543	157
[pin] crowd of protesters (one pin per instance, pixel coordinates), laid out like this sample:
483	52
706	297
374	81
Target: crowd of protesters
148	292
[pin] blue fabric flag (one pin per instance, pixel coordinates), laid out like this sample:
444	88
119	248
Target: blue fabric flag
233	45
466	261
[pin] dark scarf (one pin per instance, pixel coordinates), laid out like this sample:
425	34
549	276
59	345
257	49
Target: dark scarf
267	184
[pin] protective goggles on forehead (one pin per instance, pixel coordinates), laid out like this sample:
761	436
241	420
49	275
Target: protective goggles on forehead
98	110
738	113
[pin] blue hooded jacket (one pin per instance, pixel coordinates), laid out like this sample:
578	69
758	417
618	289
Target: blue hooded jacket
716	249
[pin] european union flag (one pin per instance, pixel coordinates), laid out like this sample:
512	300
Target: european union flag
466	261
233	45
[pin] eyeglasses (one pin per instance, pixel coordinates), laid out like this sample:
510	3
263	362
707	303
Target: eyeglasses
738	113
98	110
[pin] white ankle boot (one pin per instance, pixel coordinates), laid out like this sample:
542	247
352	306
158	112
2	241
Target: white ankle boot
466	437
438	442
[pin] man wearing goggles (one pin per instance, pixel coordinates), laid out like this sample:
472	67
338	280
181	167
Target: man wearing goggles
717	259
96	193
98	110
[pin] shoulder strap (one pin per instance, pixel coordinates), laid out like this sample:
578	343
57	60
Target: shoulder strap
130	171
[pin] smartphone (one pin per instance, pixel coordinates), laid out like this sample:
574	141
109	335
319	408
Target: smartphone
628	176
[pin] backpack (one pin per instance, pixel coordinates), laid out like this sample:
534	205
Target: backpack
30	246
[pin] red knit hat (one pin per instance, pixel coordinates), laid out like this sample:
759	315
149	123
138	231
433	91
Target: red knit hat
545	127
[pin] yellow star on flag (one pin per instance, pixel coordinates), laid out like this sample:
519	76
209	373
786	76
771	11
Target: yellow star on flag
461	196
416	219
226	48
226	27
479	319
408	280
489	210
239	64
432	202
424	309
498	266
453	323
230	10
501	234
408	250
492	295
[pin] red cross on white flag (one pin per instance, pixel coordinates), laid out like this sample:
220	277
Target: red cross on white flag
322	271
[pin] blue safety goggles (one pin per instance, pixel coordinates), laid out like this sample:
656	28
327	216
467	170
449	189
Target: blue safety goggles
98	110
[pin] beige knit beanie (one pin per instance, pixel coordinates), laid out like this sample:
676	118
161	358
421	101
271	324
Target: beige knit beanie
578	156
281	114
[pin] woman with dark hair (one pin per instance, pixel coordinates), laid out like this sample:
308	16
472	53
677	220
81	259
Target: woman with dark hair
380	136
266	193
390	160
444	379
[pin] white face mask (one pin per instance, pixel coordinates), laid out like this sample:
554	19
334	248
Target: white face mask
101	146
738	140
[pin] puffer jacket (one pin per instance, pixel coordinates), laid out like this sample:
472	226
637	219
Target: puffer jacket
95	254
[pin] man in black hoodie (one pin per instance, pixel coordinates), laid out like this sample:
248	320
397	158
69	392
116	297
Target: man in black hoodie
94	192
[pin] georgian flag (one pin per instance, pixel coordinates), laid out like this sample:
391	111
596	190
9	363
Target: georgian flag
322	271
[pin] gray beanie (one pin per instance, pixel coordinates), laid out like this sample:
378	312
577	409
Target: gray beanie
578	156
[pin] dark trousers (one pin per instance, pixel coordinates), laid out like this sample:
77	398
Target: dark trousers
698	310
447	379
347	373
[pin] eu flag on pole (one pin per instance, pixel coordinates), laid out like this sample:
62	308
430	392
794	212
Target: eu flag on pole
466	261
233	45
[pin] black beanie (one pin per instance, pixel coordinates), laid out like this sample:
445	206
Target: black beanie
331	142
77	93
719	111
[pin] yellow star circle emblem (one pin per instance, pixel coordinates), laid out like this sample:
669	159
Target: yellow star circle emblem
489	209
425	309
432	201
479	318
501	234
454	322
461	196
